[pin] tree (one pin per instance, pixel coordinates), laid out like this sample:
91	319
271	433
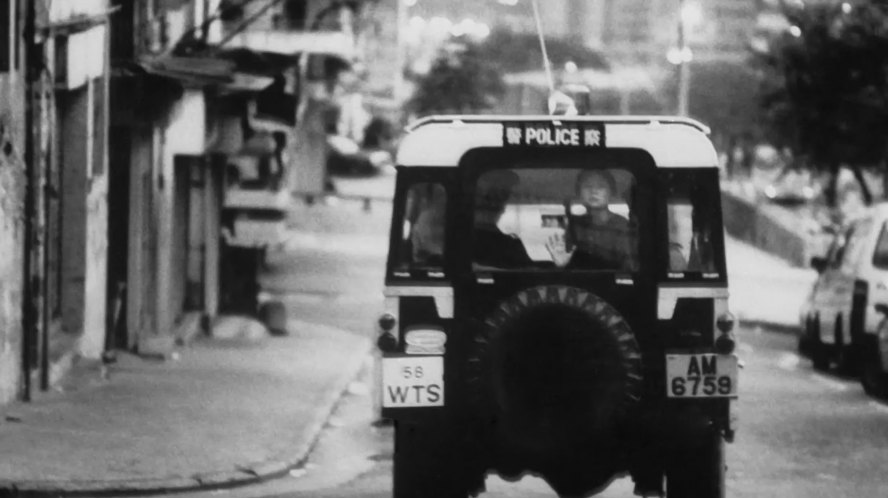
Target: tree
825	92
460	81
723	95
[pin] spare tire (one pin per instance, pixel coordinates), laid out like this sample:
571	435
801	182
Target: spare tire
554	368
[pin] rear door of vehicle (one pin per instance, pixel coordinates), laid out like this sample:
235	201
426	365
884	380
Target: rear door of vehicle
480	290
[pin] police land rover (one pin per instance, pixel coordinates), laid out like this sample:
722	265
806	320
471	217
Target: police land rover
556	304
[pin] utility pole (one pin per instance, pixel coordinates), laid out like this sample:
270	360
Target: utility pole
684	67
400	51
30	330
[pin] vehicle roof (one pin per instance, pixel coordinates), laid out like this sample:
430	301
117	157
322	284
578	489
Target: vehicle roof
671	140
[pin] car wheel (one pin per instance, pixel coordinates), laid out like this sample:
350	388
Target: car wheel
819	350
872	375
806	338
845	363
698	471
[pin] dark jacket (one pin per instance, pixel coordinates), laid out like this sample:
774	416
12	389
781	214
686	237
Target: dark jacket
608	244
494	248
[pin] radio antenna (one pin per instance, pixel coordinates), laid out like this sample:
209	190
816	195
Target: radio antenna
546	63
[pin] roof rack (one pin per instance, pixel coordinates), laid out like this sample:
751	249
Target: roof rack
456	119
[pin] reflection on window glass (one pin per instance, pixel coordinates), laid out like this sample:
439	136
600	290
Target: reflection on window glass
562	217
422	234
690	210
880	255
842	248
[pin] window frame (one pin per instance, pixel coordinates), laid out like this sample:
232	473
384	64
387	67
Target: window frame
406	178
720	273
568	169
883	233
636	162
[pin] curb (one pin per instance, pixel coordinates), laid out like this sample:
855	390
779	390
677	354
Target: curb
243	475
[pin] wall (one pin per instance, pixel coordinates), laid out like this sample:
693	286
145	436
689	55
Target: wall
141	274
12	184
93	341
73	149
85	214
761	226
184	134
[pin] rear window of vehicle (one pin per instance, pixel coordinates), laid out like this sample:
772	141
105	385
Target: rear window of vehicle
532	217
693	224
421	237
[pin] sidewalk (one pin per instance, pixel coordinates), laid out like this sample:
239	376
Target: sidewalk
226	411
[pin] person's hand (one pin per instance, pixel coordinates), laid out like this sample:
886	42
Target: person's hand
557	247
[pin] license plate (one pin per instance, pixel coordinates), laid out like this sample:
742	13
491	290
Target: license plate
701	376
414	381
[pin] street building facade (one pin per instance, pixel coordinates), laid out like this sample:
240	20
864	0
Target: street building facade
163	281
65	102
145	146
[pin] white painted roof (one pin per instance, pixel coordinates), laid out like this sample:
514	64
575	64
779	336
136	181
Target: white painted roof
671	141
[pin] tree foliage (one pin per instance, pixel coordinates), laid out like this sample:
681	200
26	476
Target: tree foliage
516	52
460	81
467	77
825	92
723	95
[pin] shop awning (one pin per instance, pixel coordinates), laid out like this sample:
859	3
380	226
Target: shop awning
190	71
247	83
332	43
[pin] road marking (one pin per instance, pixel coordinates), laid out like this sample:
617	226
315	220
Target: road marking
879	406
830	383
745	348
789	362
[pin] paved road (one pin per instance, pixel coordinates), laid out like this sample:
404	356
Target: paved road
802	434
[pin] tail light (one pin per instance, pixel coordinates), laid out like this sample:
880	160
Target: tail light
387	340
725	343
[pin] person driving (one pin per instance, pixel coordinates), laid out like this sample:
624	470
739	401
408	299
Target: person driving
492	247
598	238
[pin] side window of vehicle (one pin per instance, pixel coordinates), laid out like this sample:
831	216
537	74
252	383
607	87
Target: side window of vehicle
690	210
880	254
422	231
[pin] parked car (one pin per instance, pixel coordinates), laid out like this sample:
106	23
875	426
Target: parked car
841	317
874	376
792	188
347	158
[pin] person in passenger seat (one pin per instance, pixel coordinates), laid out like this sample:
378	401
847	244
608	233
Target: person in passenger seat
427	234
598	239
492	247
